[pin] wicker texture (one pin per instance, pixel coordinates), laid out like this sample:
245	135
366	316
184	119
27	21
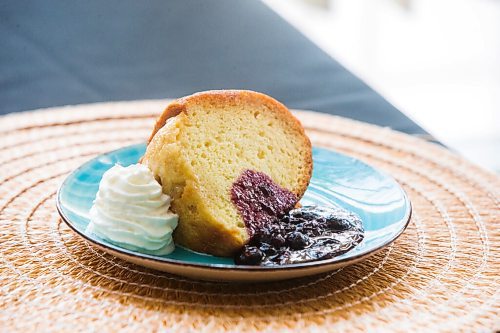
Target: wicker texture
441	275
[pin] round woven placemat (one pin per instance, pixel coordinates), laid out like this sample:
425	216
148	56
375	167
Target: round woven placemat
440	275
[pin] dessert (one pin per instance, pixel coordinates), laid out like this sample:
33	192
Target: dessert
130	210
232	161
233	166
303	234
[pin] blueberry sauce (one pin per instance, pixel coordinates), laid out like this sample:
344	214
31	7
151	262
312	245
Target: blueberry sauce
260	200
301	235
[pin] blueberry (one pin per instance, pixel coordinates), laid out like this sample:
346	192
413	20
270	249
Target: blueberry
297	240
267	249
285	219
266	236
278	241
250	256
339	224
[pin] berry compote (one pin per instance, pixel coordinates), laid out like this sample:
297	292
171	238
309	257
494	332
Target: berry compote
260	200
303	234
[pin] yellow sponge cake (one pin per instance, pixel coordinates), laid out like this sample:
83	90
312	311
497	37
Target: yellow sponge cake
231	160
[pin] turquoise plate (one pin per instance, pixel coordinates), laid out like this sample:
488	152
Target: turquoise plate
338	180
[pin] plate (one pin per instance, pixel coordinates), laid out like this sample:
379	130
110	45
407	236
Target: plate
337	180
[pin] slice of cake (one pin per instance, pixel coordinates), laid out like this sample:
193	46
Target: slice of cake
232	161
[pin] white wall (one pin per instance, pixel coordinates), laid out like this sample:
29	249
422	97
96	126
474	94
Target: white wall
436	60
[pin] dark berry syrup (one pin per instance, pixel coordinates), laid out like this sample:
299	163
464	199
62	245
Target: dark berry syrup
303	234
280	235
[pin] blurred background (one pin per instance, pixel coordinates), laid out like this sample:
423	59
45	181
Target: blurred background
438	61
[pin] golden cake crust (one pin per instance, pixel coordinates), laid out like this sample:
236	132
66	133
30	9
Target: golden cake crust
200	228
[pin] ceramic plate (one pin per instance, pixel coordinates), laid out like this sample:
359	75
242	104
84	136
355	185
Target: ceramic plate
338	180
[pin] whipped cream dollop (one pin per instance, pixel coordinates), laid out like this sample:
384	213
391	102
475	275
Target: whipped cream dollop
131	210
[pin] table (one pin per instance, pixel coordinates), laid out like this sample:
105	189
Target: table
440	275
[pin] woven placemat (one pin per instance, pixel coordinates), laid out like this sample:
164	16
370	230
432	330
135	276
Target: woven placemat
440	275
